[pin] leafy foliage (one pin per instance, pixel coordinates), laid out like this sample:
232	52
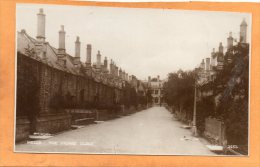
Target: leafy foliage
233	107
230	85
179	91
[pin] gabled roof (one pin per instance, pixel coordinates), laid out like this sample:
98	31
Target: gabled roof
25	42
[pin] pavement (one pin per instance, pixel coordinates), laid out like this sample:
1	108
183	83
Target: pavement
153	131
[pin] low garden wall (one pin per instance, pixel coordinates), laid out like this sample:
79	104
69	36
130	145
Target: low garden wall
215	131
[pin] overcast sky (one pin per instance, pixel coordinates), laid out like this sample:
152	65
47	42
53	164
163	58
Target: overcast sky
143	42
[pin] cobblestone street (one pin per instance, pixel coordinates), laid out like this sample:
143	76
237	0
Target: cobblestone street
151	131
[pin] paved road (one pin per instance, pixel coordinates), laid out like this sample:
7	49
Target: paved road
151	131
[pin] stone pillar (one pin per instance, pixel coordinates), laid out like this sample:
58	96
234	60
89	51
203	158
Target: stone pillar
40	26
243	31
230	40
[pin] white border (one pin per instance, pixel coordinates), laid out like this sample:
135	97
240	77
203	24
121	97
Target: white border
131	154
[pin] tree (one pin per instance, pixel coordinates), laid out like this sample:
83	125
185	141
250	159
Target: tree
179	91
232	84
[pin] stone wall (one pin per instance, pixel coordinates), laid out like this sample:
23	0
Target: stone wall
44	92
53	123
215	131
22	129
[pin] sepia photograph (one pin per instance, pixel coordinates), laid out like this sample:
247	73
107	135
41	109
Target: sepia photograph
132	81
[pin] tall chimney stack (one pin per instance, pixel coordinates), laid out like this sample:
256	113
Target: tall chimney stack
220	49
202	65
230	40
116	70
62	33
40	26
213	59
121	74
61	49
77	52
88	59
213	52
111	67
243	31
77	47
99	60
207	63
149	78
105	63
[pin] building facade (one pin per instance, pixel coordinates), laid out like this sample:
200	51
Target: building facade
49	81
156	88
208	71
224	79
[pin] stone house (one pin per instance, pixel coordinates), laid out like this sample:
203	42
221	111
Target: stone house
49	81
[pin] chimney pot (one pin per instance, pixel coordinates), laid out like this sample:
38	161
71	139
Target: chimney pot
40	26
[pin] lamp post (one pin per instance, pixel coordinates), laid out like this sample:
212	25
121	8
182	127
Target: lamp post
194	126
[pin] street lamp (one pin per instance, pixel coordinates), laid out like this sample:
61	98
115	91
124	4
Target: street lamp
194	126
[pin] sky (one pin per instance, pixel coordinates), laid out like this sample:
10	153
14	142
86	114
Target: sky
143	42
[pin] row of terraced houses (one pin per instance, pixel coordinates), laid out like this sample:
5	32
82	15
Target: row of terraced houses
51	84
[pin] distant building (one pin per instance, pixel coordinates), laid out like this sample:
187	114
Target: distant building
156	87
